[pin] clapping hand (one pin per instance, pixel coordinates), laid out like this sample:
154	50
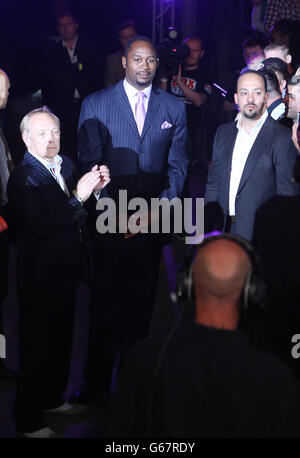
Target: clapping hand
93	181
104	177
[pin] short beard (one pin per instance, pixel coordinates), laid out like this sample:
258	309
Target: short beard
143	84
252	115
255	114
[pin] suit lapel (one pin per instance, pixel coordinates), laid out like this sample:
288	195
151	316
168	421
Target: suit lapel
258	147
152	109
40	172
228	146
124	104
68	177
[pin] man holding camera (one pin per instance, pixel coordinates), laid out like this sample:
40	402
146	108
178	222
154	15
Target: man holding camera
191	85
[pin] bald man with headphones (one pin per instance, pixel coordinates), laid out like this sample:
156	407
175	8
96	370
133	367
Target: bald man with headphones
205	379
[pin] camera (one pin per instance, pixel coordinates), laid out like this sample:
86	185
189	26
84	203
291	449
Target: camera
170	57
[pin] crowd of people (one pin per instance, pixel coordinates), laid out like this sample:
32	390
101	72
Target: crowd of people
143	134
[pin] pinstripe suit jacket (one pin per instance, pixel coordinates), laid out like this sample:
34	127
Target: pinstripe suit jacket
151	165
268	171
46	223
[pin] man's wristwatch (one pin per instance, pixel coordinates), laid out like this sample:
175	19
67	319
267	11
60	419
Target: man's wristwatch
80	199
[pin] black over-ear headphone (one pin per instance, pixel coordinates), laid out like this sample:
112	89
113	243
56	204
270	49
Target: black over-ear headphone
254	289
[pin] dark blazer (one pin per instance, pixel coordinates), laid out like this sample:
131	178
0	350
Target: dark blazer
151	165
61	77
114	70
268	171
46	223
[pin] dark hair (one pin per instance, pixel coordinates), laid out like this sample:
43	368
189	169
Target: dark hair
272	80
126	24
245	72
254	40
133	40
66	15
275	64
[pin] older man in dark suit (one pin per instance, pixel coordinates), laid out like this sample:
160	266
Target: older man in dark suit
140	131
48	220
252	160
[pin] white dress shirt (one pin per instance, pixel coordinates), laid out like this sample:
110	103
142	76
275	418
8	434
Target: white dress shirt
54	168
241	150
131	93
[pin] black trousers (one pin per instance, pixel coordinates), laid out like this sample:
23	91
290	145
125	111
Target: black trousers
125	279
46	334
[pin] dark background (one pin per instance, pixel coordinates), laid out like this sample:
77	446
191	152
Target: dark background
25	26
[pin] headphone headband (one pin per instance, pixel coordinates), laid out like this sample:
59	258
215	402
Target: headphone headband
254	288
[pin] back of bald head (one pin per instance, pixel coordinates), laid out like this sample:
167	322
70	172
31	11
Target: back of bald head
220	271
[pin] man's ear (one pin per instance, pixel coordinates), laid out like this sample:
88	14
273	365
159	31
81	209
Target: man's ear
124	62
236	99
25	138
202	53
266	98
288	59
282	85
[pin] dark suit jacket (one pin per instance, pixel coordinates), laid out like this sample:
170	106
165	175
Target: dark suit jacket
46	223
114	70
61	77
151	165
268	171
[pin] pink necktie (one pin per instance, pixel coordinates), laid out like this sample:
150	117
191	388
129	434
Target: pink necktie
140	112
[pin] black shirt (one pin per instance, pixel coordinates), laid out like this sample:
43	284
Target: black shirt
211	383
198	80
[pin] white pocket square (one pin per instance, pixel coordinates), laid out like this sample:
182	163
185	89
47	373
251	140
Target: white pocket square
166	125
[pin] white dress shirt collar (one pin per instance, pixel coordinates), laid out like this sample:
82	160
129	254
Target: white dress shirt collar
131	91
257	126
71	51
54	168
55	163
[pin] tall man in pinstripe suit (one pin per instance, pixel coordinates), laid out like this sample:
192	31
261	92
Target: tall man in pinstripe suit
140	131
253	160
